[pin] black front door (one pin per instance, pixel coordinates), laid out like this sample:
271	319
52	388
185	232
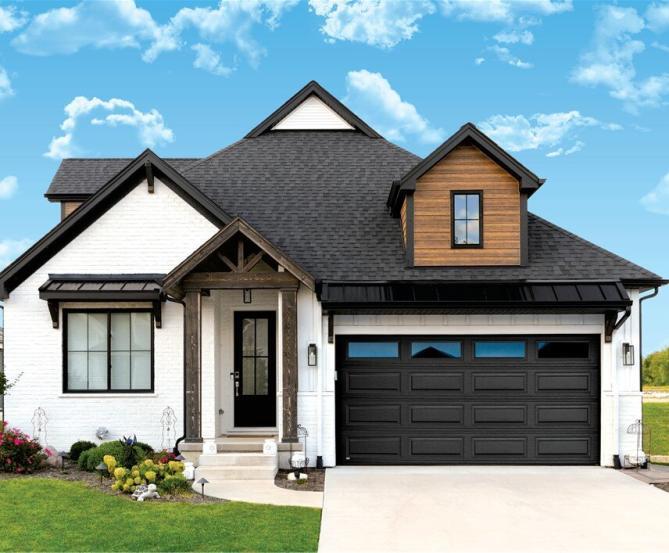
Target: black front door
255	368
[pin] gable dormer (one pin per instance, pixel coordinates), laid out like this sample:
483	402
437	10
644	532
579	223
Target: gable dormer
465	205
313	108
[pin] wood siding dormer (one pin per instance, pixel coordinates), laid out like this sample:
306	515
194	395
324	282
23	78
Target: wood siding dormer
465	168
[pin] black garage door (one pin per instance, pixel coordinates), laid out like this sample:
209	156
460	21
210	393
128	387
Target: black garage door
470	400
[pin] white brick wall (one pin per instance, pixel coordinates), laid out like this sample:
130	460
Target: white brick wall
142	233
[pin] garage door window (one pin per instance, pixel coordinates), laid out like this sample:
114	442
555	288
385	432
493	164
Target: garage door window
497	349
562	350
436	350
373	350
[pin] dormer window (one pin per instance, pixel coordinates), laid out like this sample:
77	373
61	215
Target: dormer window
467	217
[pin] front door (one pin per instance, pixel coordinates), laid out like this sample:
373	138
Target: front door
255	368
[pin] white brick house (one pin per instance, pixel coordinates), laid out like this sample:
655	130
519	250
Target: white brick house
400	310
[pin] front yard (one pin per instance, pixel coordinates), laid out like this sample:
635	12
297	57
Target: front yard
54	515
656	420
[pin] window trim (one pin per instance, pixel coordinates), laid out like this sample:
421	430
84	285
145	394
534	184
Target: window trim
478	193
108	311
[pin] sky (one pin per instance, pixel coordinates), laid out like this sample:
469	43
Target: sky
577	91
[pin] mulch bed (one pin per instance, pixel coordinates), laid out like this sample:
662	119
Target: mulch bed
72	473
314	483
663	487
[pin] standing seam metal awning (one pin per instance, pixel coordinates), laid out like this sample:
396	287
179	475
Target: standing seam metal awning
103	287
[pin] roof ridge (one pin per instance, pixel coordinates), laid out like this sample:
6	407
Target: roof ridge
600	249
211	156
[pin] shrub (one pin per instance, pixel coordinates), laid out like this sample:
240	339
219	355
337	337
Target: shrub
164	456
167	476
18	452
77	448
93	457
148	450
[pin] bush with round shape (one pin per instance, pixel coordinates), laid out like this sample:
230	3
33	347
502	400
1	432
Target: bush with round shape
77	448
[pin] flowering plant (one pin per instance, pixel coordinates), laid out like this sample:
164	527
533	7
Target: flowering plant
146	472
18	452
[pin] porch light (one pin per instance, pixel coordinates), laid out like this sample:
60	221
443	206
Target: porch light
312	355
628	354
248	297
202	482
63	456
101	468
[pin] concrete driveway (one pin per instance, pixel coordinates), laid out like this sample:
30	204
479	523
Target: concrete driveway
491	509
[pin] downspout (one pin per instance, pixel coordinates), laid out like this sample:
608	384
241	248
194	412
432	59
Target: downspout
642	299
182	437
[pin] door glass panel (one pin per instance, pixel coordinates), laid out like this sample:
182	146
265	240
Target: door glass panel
507	349
562	350
373	349
120	370
433	350
262	376
97	332
248	337
262	340
248	376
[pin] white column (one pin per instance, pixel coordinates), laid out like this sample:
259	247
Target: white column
209	407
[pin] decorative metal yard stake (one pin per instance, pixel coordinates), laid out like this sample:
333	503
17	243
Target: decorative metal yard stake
202	481
168	421
40	421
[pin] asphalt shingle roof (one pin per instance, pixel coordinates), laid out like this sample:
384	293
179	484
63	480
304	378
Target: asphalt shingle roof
320	196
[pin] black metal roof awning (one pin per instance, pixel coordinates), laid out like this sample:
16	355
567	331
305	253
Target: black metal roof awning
103	288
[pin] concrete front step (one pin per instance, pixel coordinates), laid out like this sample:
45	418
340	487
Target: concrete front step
239	445
221	473
238	459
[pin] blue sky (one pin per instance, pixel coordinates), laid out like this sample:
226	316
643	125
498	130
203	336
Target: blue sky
577	91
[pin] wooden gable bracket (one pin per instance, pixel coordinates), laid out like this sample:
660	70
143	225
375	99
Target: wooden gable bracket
612	323
157	309
149	176
54	311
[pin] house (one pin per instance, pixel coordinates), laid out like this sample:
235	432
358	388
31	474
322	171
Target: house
315	276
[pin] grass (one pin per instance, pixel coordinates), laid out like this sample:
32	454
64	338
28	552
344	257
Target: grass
54	515
656	419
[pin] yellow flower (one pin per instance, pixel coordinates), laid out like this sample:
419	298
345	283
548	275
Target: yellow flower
119	473
129	482
150	476
114	486
176	466
135	473
138	480
126	487
148	462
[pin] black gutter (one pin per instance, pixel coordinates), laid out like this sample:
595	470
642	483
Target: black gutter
180	439
641	300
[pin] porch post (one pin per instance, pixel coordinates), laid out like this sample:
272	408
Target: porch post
193	374
289	333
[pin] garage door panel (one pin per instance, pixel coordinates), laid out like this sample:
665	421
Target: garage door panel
468	410
437	382
494	382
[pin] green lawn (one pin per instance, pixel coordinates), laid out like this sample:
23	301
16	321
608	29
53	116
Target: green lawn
656	419
54	515
648	388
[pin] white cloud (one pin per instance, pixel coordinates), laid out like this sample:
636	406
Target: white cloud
8	186
372	94
479	61
657	16
660	46
232	21
382	23
11	19
503	10
113	24
11	249
505	55
610	61
150	125
515	37
210	61
5	84
657	200
577	147
109	24
541	130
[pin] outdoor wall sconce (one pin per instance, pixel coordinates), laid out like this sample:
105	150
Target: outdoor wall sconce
312	355
628	354
248	297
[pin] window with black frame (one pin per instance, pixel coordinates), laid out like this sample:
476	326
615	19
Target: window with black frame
467	217
108	351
